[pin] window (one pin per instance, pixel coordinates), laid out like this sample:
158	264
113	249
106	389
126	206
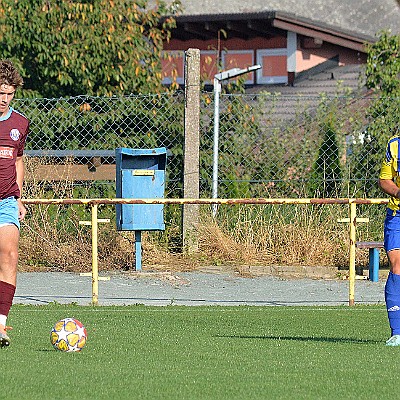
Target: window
273	66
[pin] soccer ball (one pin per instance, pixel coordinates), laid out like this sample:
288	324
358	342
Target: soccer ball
68	335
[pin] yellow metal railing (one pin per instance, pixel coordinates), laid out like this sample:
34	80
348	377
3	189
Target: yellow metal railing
353	202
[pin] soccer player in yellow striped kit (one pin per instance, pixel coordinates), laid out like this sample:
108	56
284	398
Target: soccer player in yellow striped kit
389	182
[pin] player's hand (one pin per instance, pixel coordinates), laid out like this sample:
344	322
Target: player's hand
21	210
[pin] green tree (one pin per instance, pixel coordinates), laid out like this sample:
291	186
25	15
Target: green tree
383	64
93	47
326	174
382	115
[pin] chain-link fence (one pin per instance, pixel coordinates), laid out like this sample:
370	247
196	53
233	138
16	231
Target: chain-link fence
273	145
75	138
270	145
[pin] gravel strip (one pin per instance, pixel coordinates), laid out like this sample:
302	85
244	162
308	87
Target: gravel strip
192	289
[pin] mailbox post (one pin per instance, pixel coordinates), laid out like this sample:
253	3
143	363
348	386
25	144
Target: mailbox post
140	174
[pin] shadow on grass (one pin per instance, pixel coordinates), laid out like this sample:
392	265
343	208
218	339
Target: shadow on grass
304	338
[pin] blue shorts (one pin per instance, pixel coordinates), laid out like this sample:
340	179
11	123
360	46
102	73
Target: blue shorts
9	211
392	230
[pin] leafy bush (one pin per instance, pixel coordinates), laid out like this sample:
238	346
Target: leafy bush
100	47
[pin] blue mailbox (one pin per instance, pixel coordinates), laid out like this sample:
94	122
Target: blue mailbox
140	174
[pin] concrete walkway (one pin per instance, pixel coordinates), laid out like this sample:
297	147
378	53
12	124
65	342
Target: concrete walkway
192	288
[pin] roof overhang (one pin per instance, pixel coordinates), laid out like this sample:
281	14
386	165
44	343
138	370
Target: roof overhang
319	31
209	26
264	24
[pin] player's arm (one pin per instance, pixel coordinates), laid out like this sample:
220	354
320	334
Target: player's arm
386	176
389	187
20	168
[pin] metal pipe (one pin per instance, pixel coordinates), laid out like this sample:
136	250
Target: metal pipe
138	250
95	266
254	201
352	252
217	91
95	202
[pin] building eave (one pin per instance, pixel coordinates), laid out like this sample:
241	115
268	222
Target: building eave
205	26
326	33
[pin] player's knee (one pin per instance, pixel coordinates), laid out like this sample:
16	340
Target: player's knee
8	259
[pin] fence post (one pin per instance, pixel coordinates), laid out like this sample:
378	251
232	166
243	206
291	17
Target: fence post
352	251
95	268
191	170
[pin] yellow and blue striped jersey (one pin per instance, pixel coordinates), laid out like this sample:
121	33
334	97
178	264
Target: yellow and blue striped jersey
391	168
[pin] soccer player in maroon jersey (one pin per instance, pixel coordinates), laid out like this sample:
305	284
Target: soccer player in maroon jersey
13	131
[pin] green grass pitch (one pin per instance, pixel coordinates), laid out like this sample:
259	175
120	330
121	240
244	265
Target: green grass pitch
177	352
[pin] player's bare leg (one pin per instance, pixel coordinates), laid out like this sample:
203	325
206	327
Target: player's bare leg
394	261
9	238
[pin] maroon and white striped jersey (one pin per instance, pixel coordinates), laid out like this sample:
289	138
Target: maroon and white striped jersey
14	128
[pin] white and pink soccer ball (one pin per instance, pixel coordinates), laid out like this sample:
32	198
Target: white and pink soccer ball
68	335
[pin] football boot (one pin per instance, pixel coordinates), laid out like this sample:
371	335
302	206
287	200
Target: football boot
4	338
393	341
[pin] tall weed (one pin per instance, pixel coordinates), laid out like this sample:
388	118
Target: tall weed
240	235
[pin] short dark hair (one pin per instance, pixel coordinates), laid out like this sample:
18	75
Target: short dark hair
9	75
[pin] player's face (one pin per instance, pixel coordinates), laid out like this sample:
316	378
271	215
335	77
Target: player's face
6	95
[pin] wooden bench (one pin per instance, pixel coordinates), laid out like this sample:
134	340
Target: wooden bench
76	165
373	263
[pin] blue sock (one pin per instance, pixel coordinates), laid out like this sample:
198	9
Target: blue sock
392	298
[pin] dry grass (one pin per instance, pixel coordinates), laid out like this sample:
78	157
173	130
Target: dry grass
250	235
50	239
241	236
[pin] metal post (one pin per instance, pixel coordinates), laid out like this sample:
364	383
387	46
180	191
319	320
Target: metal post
218	78
138	250
95	267
352	256
217	91
373	265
